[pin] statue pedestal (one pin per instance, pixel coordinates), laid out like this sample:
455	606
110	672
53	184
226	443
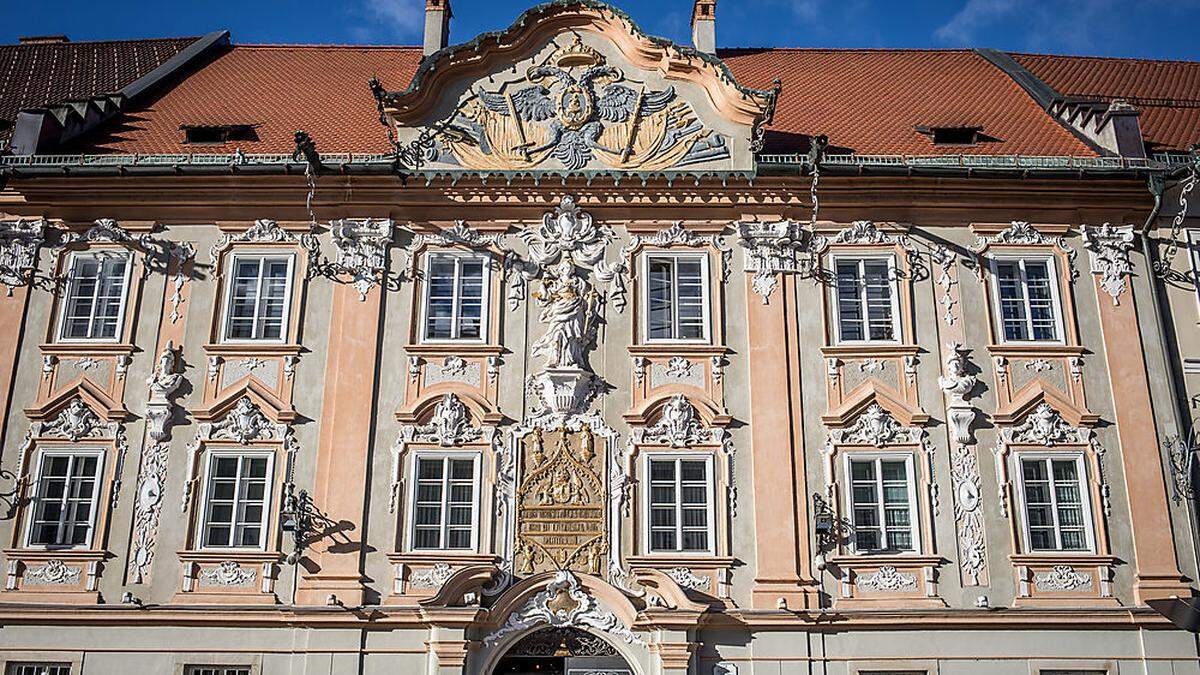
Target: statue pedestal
564	392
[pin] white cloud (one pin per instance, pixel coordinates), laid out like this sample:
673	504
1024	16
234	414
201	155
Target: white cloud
963	28
394	18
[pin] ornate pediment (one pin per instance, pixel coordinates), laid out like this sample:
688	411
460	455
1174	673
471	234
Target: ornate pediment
571	87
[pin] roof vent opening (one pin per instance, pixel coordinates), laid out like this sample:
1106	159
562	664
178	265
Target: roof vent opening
955	135
216	134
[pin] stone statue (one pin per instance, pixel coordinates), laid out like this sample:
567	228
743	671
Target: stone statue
569	314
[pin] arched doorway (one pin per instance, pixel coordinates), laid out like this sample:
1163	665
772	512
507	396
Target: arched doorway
562	651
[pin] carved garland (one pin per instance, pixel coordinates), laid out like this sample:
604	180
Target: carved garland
266	231
1022	233
362	251
1108	247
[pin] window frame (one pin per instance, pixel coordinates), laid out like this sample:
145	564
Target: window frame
65	300
17	667
410	536
705	284
1056	296
710	499
230	275
914	505
268	498
485	325
1085	493
894	284
65	451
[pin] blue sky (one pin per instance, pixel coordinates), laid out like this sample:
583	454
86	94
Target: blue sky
1138	28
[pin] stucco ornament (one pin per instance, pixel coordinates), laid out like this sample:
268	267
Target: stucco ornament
229	573
679	426
244	423
74	422
53	573
362	250
887	579
1020	232
1062	578
181	253
957	385
1044	426
450	425
771	249
570	313
434	577
1108	247
687	579
164	382
564	604
147	510
1182	450
266	230
19	243
875	426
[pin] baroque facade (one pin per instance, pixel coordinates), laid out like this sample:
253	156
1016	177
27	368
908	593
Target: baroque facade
584	374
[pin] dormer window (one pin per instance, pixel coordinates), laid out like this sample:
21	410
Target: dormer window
216	134
954	135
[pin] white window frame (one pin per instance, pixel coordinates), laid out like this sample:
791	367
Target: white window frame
485	307
22	667
268	498
1055	280
119	334
217	669
411	506
1085	495
914	507
893	279
100	455
710	493
706	285
230	282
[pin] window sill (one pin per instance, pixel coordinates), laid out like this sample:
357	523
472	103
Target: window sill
450	347
253	348
894	559
695	560
870	349
41	553
689	348
1035	348
452	558
235	554
87	347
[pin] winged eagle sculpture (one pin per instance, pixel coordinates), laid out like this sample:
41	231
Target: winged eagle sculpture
574	108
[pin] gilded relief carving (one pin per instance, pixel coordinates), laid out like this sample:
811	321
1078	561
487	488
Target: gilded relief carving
576	108
561	502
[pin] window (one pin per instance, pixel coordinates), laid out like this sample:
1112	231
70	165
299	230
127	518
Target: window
259	298
444	502
883	504
237	497
38	669
216	670
217	134
456	299
680	504
1027	293
866	300
1056	509
676	297
94	306
64	503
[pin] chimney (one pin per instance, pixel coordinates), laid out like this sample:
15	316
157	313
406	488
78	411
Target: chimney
437	25
704	26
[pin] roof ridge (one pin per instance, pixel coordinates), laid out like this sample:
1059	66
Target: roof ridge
885	50
110	41
1091	57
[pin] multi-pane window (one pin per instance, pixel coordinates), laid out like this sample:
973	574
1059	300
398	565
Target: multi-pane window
64	503
94	305
444	503
866	300
882	500
237	496
217	670
679	505
1028	296
676	297
259	298
38	669
1056	510
456	297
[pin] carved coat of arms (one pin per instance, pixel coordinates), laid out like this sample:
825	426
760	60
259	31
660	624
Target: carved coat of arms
576	108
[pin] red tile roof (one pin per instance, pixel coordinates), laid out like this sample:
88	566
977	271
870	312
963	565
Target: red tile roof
1167	92
870	101
281	89
42	74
